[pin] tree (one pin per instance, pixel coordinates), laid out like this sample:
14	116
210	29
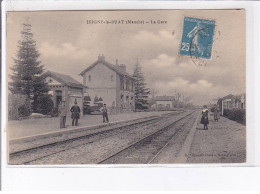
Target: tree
178	96
153	92
27	69
141	91
96	99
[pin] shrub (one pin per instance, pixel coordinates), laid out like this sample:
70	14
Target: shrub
236	114
14	102
87	109
24	110
45	105
95	108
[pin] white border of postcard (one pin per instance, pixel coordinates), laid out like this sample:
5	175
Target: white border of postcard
141	176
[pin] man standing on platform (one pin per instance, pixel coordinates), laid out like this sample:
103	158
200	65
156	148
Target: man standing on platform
62	114
75	113
105	115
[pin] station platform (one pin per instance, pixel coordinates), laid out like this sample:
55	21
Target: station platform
32	127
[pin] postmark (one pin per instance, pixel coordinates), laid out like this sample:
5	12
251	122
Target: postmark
197	38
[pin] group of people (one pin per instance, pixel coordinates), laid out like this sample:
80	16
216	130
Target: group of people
75	114
205	119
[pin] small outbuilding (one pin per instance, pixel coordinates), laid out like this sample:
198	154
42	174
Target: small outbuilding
231	101
64	88
164	102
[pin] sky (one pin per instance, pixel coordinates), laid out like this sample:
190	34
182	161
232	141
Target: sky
68	44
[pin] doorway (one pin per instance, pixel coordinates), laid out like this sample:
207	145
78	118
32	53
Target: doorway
58	97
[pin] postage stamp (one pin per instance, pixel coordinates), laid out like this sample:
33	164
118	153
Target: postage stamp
197	37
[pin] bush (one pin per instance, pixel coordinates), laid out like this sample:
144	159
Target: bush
87	109
24	110
95	108
45	105
15	101
238	115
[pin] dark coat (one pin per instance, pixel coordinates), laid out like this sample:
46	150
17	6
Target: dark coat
204	119
75	110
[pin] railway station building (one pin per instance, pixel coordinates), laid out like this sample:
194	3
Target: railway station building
110	83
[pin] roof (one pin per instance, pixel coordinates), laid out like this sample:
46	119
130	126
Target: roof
226	97
65	79
164	98
115	68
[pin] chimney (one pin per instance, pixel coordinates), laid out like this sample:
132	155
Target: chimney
117	62
123	67
101	57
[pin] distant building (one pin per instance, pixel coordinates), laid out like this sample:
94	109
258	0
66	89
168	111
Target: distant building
231	101
64	88
164	102
111	83
212	103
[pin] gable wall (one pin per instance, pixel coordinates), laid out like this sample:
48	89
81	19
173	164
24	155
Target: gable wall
101	84
54	81
100	77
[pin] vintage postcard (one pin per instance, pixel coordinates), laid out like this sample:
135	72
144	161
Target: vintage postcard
126	87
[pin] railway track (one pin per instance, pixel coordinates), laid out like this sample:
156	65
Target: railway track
40	142
31	154
147	149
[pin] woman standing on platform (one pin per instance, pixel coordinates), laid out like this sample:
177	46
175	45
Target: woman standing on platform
216	115
205	118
